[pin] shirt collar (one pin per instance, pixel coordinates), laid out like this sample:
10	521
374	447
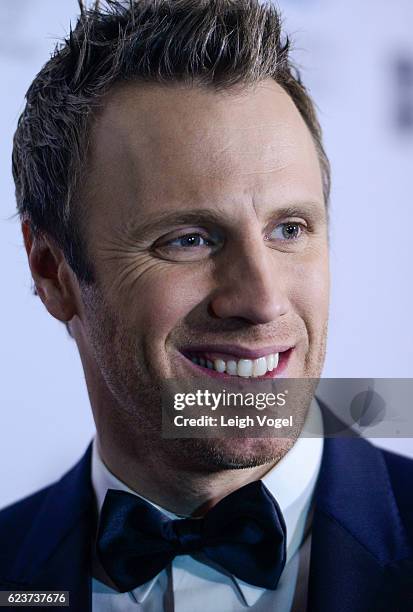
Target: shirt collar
291	481
102	480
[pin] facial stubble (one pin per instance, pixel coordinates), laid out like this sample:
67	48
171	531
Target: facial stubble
131	421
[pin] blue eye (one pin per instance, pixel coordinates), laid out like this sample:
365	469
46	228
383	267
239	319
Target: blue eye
190	240
195	245
287	231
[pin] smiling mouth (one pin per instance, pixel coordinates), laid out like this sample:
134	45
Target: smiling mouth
220	364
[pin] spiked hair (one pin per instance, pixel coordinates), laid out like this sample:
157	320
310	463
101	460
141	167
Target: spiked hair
213	43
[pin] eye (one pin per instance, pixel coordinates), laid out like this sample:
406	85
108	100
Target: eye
187	245
188	241
287	231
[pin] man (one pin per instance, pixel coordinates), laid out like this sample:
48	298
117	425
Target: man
173	191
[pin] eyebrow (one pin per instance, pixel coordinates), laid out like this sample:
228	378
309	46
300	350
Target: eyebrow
314	210
195	216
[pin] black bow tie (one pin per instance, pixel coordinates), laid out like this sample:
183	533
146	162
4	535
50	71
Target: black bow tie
244	533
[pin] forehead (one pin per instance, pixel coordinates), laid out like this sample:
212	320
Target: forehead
160	144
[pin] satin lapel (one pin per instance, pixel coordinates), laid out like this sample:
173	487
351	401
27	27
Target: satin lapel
359	545
56	554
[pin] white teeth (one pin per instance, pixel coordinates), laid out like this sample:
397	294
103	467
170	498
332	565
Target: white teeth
232	367
247	368
259	366
244	367
219	365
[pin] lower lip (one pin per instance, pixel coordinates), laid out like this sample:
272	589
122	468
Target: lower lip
284	358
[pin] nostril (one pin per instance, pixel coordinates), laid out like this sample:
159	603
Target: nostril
253	306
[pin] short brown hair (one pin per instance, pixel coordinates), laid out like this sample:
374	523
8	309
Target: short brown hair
214	43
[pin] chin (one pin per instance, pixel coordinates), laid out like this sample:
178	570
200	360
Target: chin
214	455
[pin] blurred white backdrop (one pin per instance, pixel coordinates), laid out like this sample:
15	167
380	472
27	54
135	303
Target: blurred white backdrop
357	60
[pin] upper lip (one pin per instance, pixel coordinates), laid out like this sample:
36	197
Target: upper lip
240	352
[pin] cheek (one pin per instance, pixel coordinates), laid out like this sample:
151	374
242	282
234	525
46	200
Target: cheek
165	297
309	291
150	294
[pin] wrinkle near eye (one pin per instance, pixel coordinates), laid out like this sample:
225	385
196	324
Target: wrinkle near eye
125	267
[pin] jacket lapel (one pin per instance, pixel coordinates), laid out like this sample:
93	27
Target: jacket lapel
56	554
360	550
359	557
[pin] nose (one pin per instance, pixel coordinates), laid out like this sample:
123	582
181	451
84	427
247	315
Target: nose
249	286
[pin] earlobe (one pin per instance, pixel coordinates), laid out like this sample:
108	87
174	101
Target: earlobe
51	274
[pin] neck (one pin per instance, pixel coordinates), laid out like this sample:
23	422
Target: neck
167	483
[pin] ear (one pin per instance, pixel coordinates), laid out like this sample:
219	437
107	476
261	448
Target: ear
54	280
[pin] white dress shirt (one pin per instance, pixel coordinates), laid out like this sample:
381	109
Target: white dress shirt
188	584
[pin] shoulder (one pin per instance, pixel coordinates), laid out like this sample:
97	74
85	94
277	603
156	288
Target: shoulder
399	467
45	517
400	470
15	521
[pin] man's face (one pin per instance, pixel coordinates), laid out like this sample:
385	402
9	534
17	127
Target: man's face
207	229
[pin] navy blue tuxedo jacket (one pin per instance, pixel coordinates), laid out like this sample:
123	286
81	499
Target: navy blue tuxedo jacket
361	554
